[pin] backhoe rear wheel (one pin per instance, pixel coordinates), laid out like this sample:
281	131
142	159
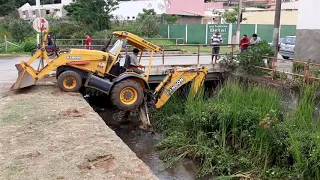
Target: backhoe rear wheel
69	81
127	95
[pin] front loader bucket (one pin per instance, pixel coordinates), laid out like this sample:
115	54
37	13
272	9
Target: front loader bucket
25	79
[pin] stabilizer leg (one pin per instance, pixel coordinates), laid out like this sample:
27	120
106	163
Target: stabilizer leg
144	117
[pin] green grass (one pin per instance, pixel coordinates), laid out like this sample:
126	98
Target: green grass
14	54
241	132
188	49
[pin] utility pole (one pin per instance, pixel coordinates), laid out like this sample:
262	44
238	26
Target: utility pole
238	24
276	27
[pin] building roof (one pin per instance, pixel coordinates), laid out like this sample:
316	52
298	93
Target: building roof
293	5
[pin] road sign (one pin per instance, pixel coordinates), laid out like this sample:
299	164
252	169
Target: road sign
40	24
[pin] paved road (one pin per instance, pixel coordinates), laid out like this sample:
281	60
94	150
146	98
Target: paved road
9	74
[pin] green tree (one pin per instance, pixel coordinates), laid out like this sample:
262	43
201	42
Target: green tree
170	19
6	7
232	16
18	28
96	13
148	23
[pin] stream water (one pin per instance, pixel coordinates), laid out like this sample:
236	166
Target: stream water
141	142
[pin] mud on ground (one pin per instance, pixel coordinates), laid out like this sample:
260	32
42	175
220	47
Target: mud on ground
47	134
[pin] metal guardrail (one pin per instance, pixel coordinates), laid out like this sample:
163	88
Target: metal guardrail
177	46
307	69
105	40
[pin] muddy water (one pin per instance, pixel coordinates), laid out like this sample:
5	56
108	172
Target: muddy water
143	144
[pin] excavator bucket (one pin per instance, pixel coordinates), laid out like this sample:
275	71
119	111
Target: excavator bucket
25	79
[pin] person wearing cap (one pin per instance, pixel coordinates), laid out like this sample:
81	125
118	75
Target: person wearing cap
244	43
88	41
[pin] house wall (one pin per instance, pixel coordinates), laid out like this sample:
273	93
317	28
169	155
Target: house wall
189	20
267	17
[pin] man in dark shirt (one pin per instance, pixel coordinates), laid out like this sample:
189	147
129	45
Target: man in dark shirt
244	43
50	43
88	41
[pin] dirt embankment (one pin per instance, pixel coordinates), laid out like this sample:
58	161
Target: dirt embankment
47	134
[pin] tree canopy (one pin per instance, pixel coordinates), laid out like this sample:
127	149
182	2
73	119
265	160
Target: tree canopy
232	16
95	13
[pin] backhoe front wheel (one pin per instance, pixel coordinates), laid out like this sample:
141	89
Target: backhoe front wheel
69	81
127	95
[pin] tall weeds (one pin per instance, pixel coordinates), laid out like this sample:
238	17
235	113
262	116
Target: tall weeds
240	132
223	132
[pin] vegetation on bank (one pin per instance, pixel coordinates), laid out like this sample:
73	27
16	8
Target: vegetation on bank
243	132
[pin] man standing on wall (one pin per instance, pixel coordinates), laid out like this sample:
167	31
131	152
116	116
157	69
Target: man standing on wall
244	43
216	41
88	41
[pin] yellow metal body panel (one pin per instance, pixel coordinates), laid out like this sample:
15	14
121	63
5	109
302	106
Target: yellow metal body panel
137	41
177	78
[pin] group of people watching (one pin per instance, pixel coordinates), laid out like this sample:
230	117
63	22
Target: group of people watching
245	42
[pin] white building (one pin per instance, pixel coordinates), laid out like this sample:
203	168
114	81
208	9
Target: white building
127	10
29	12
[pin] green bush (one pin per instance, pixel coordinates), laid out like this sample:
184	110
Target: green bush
254	56
18	28
29	44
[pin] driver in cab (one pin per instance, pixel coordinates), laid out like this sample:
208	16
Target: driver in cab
134	63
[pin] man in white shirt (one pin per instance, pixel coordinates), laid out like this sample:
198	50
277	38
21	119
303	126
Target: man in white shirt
254	40
216	41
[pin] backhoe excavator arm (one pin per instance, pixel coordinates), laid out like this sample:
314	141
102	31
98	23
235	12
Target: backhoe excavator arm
177	78
169	85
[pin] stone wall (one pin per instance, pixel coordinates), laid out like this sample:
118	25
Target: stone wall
308	45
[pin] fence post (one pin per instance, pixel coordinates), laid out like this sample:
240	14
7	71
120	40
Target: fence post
198	55
308	69
186	34
5	43
273	68
256	28
230	34
206	40
232	52
304	72
162	56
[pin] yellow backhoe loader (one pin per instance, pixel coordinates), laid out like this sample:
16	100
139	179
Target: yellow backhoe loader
101	70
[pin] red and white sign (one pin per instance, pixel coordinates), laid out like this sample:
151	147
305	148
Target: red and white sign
40	24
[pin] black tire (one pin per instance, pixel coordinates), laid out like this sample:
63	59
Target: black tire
285	57
67	79
116	92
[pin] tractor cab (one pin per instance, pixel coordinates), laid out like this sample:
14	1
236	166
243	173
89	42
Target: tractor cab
125	39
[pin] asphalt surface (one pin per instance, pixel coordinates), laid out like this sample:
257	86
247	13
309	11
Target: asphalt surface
9	73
